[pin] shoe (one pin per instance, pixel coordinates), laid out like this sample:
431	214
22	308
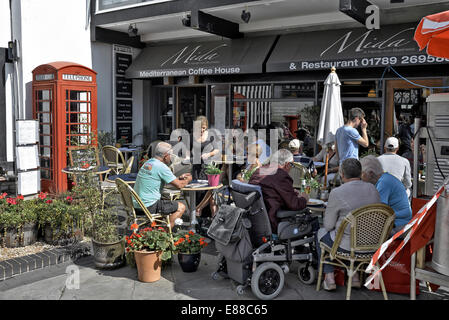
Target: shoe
329	285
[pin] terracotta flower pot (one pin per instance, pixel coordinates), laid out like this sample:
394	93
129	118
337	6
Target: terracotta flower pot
148	265
213	179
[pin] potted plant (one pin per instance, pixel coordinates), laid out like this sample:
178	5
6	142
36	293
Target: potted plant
315	187
18	221
189	245
61	219
120	142
150	247
213	174
101	223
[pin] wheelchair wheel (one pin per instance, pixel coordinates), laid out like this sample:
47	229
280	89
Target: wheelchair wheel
306	273
267	281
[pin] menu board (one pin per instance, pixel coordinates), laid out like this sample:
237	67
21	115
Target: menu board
27	157
27	132
28	182
124	110
123	93
125	131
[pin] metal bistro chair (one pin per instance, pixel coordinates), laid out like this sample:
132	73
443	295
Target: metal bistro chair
128	194
108	187
298	173
114	159
370	227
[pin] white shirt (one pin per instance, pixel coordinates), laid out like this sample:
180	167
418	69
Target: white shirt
397	166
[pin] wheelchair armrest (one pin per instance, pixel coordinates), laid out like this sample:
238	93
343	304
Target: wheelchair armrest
282	214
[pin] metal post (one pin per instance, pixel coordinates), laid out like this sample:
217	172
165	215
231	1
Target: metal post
416	158
413	277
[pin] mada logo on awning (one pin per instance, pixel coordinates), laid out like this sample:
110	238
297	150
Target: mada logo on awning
196	55
194	61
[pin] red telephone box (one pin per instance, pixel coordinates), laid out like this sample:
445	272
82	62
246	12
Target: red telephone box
65	103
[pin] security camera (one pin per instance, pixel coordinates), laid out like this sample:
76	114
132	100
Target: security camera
132	30
246	15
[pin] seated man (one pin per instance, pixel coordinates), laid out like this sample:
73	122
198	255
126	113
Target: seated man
353	194
391	190
277	186
295	146
152	177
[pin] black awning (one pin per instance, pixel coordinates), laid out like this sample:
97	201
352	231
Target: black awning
348	48
237	56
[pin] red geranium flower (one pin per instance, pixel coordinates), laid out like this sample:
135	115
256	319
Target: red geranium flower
153	224
3	195
11	201
20	197
191	232
49	201
42	195
69	199
264	239
134	226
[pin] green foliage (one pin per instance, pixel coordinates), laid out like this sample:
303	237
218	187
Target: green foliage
189	242
246	174
105	138
314	184
105	226
212	168
369	152
151	239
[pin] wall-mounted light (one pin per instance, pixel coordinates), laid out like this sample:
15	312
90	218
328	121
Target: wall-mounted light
186	21
246	15
132	30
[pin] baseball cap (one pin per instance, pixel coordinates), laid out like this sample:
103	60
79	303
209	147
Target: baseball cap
392	143
294	144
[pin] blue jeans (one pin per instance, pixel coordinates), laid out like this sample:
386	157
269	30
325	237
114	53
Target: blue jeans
326	239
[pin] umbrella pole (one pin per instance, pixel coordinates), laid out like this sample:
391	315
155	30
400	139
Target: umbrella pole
325	170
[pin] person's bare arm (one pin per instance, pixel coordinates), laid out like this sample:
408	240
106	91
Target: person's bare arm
182	181
363	141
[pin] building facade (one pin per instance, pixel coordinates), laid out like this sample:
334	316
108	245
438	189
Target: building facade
161	63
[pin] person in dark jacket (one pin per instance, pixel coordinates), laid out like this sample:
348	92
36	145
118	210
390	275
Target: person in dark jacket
277	186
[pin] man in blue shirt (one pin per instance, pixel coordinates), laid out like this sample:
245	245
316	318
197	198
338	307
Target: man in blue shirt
348	138
391	190
152	177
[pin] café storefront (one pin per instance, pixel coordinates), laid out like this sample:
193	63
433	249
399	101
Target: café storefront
260	80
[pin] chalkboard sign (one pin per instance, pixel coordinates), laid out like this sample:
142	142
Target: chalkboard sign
124	88
122	62
125	131
83	157
124	110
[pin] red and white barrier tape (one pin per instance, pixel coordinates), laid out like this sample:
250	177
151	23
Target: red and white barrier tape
414	223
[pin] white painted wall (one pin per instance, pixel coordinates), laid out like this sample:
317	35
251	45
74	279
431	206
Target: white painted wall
50	30
102	64
5	23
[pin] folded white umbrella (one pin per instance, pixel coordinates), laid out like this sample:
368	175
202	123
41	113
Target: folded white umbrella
331	116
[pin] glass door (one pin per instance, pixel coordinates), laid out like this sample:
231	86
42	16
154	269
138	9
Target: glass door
191	103
44	109
78	117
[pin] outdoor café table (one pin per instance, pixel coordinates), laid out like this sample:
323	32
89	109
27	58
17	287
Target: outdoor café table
191	189
318	207
129	178
99	170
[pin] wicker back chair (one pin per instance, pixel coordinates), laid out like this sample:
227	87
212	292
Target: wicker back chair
128	195
298	173
128	166
113	158
370	227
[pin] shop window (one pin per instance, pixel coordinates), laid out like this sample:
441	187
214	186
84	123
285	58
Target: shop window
294	90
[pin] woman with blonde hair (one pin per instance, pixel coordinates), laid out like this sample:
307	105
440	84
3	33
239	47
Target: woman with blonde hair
208	147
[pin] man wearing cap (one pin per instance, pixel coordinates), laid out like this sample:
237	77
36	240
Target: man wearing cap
396	165
152	177
348	138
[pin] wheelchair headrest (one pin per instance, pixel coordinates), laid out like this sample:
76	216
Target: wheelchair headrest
243	187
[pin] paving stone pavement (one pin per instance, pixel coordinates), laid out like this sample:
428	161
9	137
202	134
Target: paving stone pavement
122	284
